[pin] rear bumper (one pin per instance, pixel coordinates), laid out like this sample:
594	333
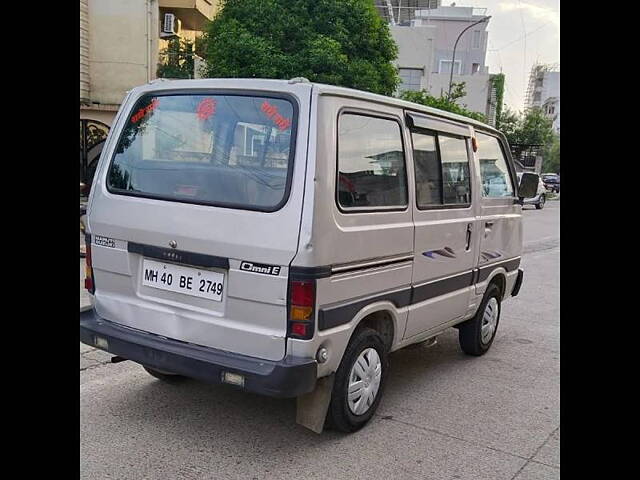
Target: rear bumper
289	377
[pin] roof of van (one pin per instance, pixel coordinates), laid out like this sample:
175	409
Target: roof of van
323	89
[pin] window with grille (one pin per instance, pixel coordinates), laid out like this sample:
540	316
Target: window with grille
445	67
410	78
477	39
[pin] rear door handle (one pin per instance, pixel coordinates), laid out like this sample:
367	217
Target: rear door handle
469	230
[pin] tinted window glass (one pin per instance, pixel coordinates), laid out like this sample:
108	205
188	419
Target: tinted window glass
494	173
227	150
427	167
442	174
371	171
456	186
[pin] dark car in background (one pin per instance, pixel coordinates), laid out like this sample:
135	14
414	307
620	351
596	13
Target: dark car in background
551	181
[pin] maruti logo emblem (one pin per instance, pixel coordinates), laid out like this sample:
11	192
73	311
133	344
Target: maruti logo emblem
171	255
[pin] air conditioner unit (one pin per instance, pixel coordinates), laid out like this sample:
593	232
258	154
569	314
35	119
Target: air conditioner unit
170	26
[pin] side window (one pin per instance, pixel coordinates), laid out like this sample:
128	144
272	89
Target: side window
371	169
427	167
494	172
456	184
442	170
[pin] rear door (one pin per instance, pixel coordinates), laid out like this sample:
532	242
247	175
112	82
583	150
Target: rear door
500	219
444	220
195	214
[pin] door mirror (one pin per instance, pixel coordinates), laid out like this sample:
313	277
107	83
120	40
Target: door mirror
528	185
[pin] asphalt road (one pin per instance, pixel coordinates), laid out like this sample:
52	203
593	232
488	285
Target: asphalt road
444	415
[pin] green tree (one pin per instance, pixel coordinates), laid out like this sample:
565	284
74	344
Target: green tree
443	102
509	123
536	128
551	161
531	127
339	42
176	61
497	80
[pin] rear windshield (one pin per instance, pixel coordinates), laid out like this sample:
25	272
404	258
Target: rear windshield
226	150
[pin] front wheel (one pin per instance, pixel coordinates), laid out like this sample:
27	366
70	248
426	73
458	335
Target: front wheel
359	382
540	204
476	335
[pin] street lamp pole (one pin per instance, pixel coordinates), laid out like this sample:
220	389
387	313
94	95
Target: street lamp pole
455	45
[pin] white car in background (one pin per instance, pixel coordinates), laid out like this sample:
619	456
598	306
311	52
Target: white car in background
541	195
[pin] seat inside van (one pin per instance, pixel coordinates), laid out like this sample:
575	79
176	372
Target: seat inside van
215	184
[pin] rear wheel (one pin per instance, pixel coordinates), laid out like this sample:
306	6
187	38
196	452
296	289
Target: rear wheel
476	335
164	376
359	382
540	203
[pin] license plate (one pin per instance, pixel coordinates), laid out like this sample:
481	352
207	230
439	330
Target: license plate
187	280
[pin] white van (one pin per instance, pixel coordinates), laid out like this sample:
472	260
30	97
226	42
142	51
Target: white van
285	237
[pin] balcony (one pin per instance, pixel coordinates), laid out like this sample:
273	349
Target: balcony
194	14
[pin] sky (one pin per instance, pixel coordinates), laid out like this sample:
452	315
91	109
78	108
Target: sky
520	33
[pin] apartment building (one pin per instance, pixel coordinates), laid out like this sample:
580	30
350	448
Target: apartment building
543	91
120	45
426	35
551	109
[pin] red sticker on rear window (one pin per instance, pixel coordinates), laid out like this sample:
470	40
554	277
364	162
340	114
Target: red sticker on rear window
188	190
206	108
272	112
136	117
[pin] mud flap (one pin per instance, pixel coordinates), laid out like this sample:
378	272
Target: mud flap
311	408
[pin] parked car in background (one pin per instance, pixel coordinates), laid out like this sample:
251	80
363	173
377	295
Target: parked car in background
541	194
551	181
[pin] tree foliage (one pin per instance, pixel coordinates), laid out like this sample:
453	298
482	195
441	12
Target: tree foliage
509	123
497	80
443	102
551	161
176	61
339	42
530	128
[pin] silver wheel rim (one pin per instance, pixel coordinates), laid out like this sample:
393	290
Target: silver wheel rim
489	320
364	381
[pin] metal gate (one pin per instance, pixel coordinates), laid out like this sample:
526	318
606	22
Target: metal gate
92	137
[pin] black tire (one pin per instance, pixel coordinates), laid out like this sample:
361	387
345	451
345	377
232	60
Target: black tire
164	376
470	332
339	416
540	203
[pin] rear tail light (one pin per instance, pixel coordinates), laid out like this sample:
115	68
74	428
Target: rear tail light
88	270
302	299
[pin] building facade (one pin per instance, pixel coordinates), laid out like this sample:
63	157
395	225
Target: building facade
551	109
400	11
120	45
426	39
543	91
